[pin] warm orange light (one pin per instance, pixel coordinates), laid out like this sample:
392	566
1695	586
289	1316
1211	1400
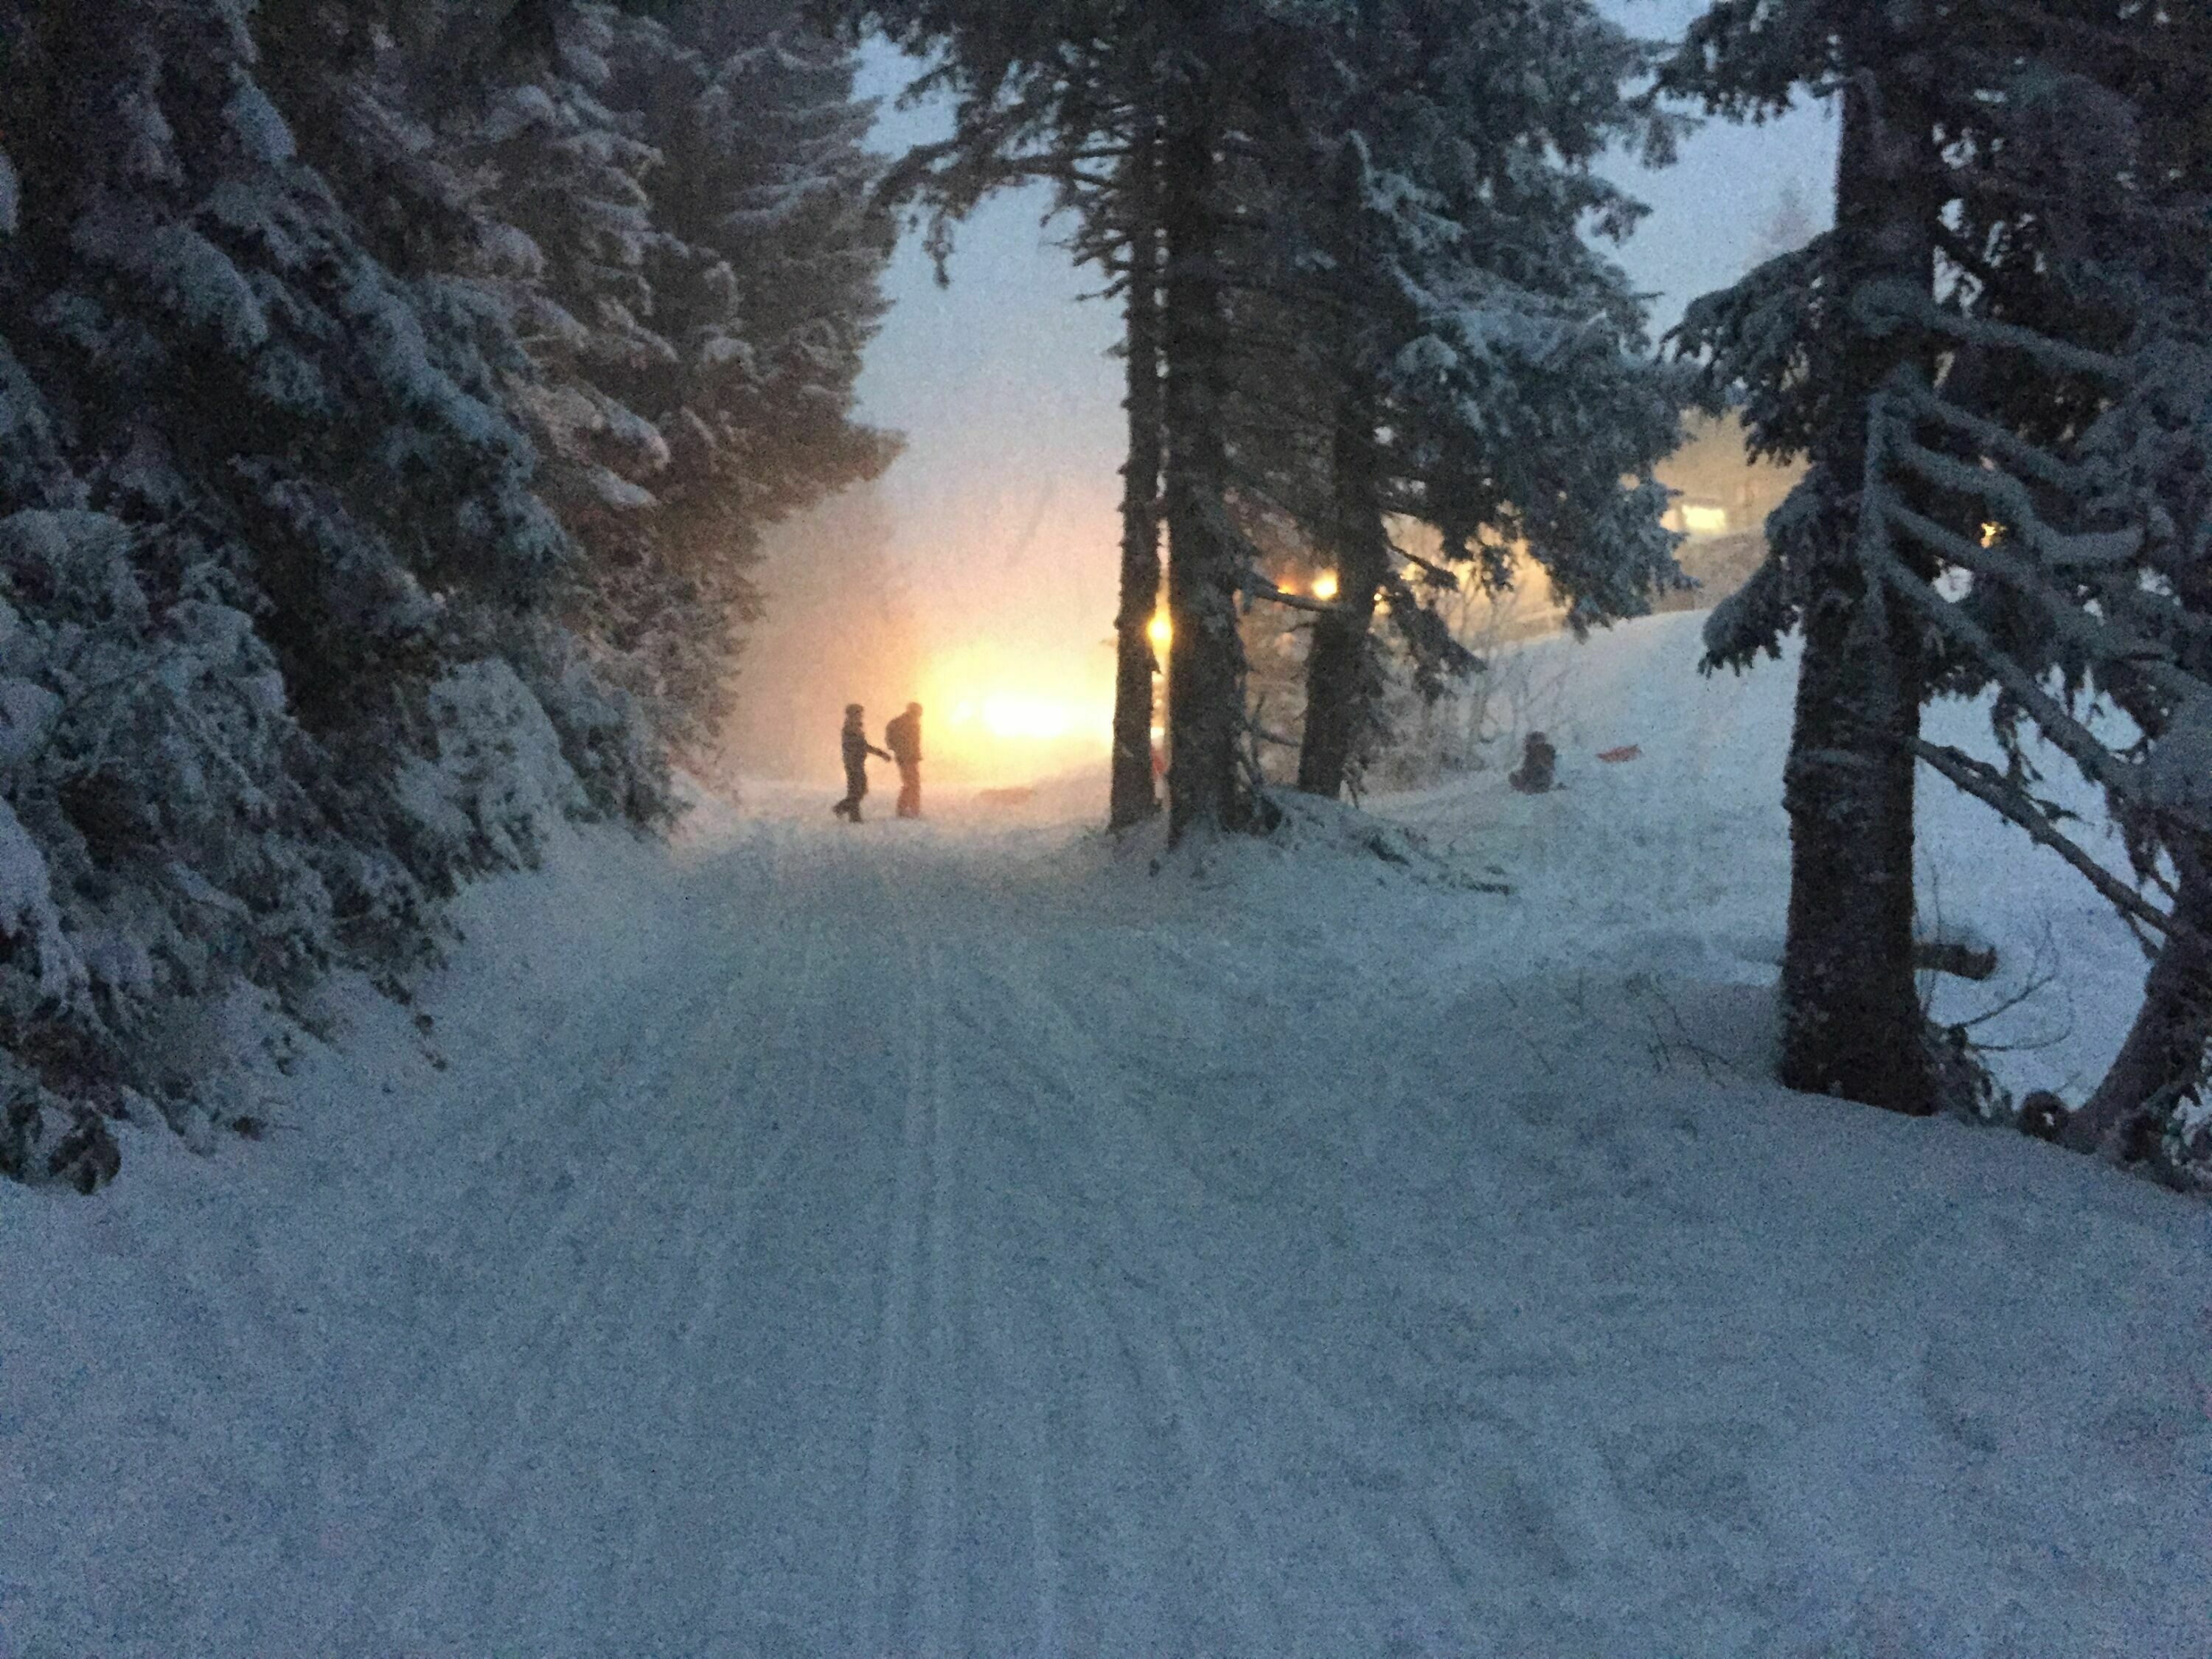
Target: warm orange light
1162	632
1992	534
1325	585
1010	715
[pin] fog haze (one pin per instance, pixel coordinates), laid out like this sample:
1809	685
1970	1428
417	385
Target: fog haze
1002	513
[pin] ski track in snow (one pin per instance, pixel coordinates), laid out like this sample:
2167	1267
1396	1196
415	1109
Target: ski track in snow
922	1242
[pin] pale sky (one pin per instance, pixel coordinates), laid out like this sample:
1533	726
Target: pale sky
1006	501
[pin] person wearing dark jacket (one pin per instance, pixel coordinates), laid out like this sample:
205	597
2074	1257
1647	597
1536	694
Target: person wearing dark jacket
904	737
857	747
1538	773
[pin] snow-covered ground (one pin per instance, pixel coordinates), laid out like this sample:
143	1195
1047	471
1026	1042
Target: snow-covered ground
1677	863
956	1239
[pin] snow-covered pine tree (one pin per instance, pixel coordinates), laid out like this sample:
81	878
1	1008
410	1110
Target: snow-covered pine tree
1801	332
386	99
1046	90
281	654
1093	133
2029	507
278	663
1484	369
561	179
1424	324
767	280
1222	103
218	656
2076	424
677	212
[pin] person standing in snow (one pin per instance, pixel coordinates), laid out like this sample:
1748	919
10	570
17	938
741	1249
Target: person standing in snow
904	737
857	749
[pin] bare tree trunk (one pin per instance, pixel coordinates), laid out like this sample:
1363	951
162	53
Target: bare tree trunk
1134	798
1852	1024
1205	661
2164	1053
1341	671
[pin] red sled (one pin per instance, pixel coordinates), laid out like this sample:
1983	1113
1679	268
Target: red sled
1628	752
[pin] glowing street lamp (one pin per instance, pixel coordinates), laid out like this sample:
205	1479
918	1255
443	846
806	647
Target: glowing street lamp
1325	585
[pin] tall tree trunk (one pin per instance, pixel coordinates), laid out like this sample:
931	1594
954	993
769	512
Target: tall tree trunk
1341	684
1133	799
1206	659
1852	1024
2163	1052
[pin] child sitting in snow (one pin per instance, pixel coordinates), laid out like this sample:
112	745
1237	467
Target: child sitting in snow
1537	774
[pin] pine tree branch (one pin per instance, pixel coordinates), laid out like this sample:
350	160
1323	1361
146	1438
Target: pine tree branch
2076	740
1993	788
2081	32
2101	639
1998	442
1906	305
2002	494
1258	588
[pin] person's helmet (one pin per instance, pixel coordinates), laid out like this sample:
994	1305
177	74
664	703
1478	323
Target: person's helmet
914	708
851	709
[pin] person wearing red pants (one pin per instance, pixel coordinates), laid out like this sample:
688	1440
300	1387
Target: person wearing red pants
903	736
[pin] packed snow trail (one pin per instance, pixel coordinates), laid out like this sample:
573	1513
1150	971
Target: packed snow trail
930	1240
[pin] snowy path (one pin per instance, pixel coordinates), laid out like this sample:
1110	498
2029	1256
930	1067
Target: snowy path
923	1241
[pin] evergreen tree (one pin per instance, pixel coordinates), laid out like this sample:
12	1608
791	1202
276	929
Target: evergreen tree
1132	795
1046	91
263	502
1802	332
335	417
2005	325
2075	424
1485	371
768	285
1188	139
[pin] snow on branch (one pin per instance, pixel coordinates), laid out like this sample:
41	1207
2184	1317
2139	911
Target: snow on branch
2057	723
1900	302
1999	443
1993	788
2102	639
2108	549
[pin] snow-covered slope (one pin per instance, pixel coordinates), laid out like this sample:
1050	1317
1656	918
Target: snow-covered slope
952	1239
1677	862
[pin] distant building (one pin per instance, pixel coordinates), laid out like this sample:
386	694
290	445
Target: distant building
1722	491
1722	507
